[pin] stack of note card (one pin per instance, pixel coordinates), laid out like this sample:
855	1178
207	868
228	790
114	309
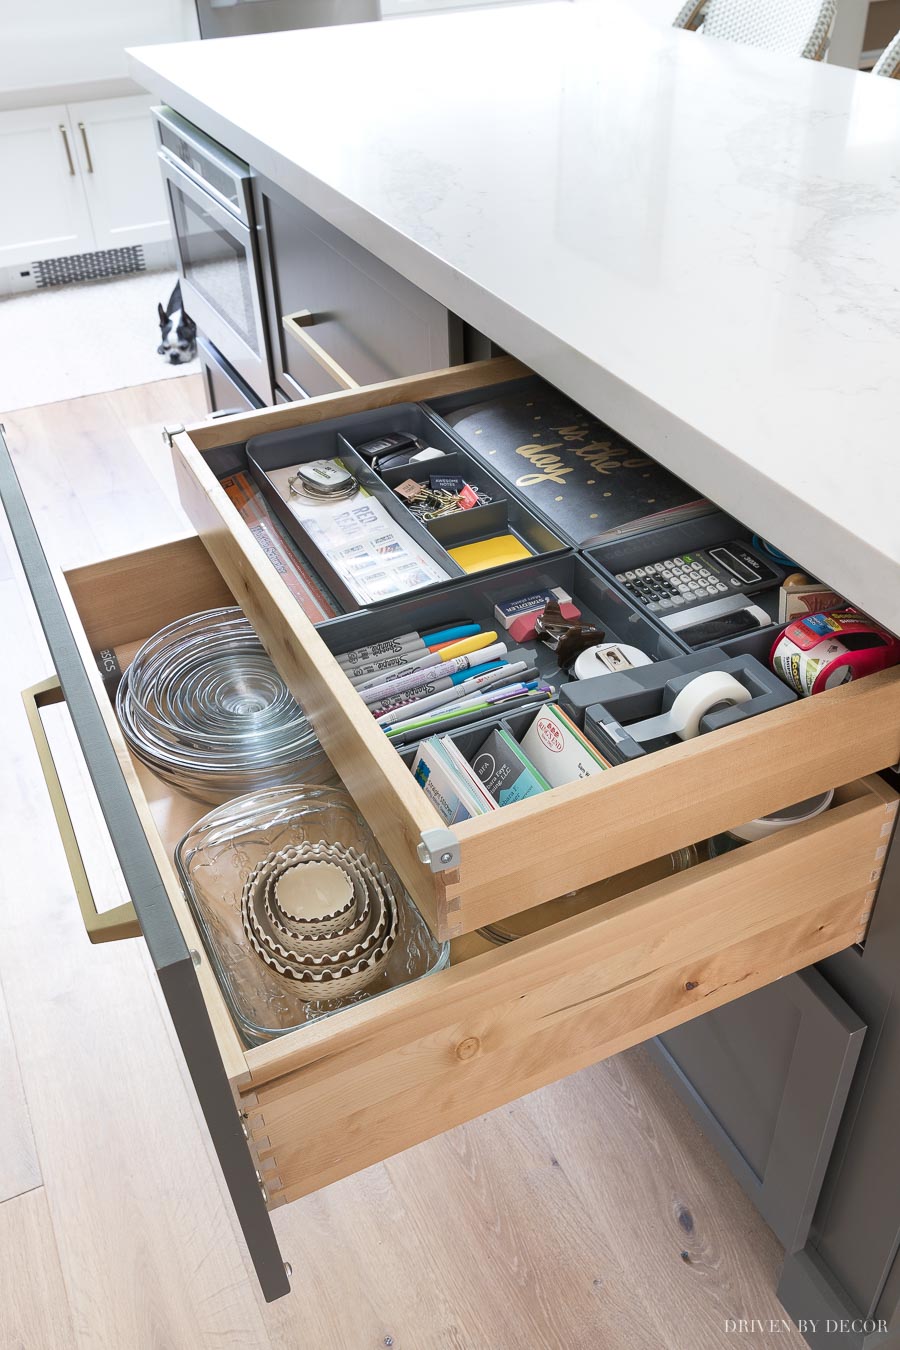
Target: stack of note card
558	750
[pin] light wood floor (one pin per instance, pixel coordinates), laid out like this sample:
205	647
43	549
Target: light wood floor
590	1216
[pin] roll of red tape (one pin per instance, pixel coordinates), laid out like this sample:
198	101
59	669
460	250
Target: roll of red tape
822	651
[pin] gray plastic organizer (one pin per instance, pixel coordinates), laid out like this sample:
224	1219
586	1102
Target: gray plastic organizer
337	437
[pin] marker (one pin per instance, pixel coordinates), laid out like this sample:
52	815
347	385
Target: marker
412	707
435	658
435	685
415	678
394	646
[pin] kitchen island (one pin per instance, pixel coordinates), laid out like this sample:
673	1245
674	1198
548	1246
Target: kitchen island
697	242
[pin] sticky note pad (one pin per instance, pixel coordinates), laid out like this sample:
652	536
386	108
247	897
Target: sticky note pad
494	552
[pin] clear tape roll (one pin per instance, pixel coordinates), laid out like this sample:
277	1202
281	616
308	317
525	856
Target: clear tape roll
712	689
608	657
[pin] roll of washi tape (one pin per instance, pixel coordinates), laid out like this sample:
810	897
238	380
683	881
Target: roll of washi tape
823	651
607	658
713	689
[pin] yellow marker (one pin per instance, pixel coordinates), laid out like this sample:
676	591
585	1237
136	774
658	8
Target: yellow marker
467	645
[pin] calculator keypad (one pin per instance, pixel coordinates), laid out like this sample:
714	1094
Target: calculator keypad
672	584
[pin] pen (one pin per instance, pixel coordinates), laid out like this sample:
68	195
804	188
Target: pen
410	707
433	686
415	678
469	704
519	702
435	658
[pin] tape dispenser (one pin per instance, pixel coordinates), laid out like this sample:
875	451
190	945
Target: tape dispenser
654	706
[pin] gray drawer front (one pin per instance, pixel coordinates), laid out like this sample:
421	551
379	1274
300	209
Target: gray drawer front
162	934
370	320
767	1079
225	390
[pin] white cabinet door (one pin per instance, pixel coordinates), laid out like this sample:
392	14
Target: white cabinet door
116	150
44	213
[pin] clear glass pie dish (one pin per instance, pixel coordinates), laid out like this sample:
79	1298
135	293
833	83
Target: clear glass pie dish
214	860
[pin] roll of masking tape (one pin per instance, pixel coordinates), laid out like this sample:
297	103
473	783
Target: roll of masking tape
607	658
710	691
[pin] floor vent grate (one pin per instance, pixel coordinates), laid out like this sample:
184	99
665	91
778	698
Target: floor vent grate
107	262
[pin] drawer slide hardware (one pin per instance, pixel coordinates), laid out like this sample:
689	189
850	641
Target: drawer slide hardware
169	434
438	849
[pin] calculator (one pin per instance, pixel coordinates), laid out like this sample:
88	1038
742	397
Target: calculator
705	574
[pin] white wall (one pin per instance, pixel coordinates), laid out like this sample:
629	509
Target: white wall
64	42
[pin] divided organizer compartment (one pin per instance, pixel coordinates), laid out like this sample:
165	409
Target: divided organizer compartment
474	599
337	439
623	555
469	740
280	449
506	514
568	513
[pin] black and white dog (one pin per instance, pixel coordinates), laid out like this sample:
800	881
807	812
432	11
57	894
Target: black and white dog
179	332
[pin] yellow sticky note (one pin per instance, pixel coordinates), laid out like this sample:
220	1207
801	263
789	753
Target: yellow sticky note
495	552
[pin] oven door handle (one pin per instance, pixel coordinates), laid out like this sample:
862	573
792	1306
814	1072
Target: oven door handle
296	324
201	196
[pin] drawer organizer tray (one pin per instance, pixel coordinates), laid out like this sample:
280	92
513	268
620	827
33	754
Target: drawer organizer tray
623	555
474	599
329	1099
554	470
504	515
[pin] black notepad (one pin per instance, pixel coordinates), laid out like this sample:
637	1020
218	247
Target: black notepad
587	480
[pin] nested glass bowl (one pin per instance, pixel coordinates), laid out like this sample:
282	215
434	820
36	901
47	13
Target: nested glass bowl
203	706
214	860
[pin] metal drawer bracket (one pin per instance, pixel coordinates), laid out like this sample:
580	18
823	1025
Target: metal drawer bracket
169	434
439	849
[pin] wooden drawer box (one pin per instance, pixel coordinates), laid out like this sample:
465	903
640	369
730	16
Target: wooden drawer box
498	864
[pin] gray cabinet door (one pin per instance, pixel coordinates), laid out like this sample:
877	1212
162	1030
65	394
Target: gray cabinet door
371	321
767	1078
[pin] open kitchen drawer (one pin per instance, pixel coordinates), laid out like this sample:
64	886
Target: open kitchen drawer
324	1101
497	864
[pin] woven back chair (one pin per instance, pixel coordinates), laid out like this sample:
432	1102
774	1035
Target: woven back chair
801	27
888	62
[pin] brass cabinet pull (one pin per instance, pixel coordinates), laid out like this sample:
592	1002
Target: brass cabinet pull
296	324
65	136
87	148
112	924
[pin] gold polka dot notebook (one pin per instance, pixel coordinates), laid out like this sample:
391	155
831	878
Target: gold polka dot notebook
590	483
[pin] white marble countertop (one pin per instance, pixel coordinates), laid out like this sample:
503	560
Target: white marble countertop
698	241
